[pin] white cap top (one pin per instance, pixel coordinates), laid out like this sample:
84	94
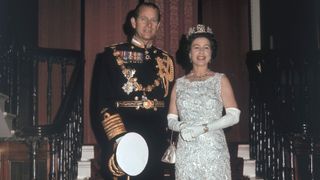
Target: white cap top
132	153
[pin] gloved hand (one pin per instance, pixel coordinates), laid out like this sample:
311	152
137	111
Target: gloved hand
186	134
189	133
174	124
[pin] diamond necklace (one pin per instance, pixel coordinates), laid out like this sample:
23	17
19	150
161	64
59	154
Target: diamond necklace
195	77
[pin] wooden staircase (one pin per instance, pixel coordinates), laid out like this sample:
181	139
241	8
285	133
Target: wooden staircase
5	118
249	165
242	167
84	165
43	87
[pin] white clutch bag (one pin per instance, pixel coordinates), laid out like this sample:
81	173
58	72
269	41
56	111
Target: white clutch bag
169	155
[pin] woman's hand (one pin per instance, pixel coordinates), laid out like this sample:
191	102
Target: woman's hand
190	133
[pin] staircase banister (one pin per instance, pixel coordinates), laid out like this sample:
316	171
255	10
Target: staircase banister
51	52
59	122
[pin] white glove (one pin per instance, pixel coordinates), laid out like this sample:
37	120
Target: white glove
174	124
186	134
231	118
191	132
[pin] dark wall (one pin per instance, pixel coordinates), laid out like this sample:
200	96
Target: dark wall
19	21
229	21
290	24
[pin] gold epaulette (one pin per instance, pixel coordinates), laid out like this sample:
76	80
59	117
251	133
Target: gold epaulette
166	71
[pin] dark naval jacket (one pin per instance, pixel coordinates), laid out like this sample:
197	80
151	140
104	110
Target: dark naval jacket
130	92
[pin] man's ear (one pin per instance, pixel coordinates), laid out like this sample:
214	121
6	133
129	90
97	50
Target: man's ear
158	26
133	22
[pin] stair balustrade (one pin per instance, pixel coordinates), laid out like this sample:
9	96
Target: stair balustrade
284	115
45	93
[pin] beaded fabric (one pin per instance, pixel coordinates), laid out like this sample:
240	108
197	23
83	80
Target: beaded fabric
207	157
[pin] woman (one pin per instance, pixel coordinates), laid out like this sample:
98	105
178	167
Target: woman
198	100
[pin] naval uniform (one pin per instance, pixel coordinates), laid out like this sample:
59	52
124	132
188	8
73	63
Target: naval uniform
130	91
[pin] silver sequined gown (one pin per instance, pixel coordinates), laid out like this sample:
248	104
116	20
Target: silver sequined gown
207	157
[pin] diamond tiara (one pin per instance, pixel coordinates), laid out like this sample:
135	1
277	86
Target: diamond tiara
200	28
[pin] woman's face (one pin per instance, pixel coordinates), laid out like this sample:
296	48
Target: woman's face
200	52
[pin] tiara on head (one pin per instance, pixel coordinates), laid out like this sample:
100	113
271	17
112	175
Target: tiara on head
200	28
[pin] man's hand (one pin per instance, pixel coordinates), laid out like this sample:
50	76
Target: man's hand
118	139
114	169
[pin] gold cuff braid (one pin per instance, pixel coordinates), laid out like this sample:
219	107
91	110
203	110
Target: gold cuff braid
113	125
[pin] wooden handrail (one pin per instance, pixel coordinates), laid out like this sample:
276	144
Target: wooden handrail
65	132
284	97
60	120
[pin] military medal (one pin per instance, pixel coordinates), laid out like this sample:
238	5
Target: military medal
147	56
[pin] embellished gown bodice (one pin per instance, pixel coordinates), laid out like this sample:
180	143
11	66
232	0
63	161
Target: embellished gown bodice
207	157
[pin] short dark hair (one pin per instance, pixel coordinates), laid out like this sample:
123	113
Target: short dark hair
146	4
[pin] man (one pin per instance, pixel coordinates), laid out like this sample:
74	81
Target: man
130	93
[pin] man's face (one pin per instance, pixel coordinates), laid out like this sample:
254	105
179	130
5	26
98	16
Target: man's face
146	24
